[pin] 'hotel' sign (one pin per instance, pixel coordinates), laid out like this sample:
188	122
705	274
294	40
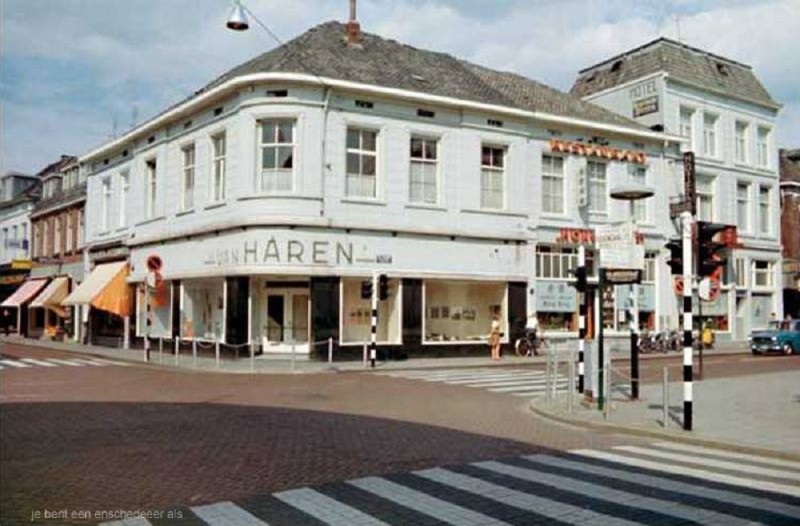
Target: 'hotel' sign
595	150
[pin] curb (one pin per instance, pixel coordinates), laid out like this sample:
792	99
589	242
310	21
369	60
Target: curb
662	435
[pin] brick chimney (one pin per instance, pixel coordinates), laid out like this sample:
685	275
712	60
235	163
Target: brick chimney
353	30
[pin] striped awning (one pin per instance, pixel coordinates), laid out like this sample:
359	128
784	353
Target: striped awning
24	293
105	288
52	296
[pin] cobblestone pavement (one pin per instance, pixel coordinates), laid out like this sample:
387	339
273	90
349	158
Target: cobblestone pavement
140	437
661	483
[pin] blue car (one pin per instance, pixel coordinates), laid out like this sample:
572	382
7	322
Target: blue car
781	336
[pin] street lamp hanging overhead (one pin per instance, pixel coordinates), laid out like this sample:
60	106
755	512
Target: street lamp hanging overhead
237	21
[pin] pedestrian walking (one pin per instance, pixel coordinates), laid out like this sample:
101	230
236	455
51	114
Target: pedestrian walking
494	336
6	321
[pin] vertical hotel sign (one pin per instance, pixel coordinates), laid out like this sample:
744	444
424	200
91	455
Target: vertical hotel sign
689	181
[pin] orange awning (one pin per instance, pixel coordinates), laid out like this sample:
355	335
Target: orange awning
116	296
105	288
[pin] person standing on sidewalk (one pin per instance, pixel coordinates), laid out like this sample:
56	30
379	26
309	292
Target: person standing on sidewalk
494	336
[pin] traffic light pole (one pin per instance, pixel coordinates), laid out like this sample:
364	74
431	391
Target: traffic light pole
374	325
600	347
686	235
581	320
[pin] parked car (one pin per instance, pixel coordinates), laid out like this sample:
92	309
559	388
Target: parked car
780	336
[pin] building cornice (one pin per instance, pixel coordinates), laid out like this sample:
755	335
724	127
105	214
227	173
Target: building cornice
189	106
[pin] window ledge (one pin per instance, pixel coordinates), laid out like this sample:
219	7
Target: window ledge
184	212
744	165
364	201
492	212
553	215
426	206
215	204
713	160
151	220
276	195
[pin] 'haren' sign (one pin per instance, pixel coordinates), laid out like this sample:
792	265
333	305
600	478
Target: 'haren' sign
284	252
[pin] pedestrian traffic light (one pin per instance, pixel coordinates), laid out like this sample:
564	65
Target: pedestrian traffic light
580	282
675	260
366	290
709	258
383	286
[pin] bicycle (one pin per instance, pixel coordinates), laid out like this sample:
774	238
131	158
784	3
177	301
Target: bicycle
530	344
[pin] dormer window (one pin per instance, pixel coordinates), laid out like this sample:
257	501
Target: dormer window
723	69
616	66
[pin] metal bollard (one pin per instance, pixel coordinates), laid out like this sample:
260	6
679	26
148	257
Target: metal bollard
194	353
571	382
555	373
665	394
252	359
216	350
330	350
549	375
160	349
609	383
293	349
177	351
365	354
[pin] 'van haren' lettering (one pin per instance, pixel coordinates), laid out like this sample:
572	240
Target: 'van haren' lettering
277	252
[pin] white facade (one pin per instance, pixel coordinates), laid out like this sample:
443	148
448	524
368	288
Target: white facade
737	183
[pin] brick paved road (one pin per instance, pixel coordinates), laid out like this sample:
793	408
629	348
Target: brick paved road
142	437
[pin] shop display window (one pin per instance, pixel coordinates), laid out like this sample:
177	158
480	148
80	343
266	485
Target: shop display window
462	311
203	309
357	314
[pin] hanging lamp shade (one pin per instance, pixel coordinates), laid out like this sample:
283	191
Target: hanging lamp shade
237	20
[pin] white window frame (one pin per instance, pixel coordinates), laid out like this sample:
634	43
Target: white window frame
741	141
124	193
188	181
745	202
57	235
557	180
740	271
711	136
768	273
271	180
641	209
70	238
556	263
493	175
762	146
594	181
701	194
354	181
150	187
218	167
417	189
649	274
686	129
765	217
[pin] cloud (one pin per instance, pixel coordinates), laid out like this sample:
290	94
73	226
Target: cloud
71	68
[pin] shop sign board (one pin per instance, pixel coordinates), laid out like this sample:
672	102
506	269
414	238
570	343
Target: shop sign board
718	307
555	296
618	248
645	106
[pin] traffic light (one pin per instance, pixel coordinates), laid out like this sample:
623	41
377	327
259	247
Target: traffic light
675	260
383	286
709	258
580	282
366	290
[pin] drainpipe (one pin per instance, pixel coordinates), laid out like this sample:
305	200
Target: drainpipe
323	173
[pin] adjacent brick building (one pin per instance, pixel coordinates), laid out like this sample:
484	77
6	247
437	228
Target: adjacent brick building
790	228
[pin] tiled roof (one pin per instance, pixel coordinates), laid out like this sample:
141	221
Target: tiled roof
323	51
790	165
56	167
680	62
62	197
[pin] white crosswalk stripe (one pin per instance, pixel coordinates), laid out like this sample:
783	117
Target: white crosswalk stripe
22	363
515	382
624	485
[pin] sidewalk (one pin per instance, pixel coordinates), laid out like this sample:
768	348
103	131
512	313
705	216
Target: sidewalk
283	364
757	412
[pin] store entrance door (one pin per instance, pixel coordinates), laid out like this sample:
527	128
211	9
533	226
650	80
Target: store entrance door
287	320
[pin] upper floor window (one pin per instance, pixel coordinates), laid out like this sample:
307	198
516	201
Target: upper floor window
187	178
710	135
69	235
151	189
639	178
218	168
742	130
424	170
47	240
552	184
81	228
762	146
739	272
277	155
685	125
705	198
57	235
743	206
124	192
649	273
598	193
762	273
492	176
105	205
362	163
25	241
555	262
764	210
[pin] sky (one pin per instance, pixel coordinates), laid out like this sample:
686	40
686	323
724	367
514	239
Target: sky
74	72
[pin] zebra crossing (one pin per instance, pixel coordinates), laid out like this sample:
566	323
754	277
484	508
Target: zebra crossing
515	382
658	483
15	363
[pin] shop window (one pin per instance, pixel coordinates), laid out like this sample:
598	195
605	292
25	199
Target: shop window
362	163
203	306
277	155
462	311
357	314
161	309
555	262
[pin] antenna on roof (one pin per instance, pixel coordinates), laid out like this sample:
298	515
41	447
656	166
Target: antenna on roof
678	27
